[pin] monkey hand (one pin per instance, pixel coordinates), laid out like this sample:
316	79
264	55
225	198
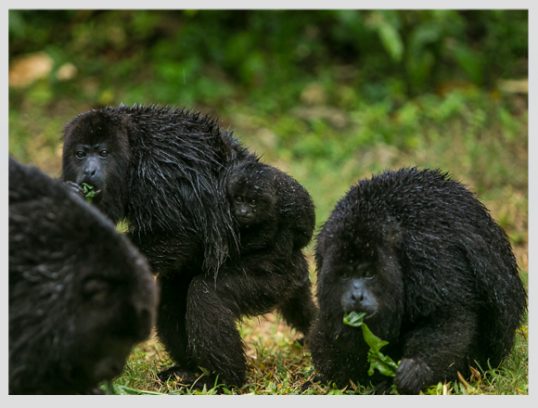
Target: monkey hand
74	188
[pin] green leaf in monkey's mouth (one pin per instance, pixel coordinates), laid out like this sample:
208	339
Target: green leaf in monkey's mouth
89	191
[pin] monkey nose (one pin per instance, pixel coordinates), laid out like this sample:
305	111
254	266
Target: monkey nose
357	295
90	171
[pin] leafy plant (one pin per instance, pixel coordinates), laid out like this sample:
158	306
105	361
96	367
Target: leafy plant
378	361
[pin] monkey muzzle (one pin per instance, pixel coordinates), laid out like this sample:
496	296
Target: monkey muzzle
357	297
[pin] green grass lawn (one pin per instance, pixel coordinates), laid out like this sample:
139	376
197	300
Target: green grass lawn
277	363
478	137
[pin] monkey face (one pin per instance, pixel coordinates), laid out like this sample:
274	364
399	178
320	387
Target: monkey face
113	309
250	209
97	152
358	276
244	210
252	196
358	295
91	161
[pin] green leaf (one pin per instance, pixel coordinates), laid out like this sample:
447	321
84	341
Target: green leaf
89	191
378	361
374	342
382	363
386	23
470	60
122	226
354	319
391	41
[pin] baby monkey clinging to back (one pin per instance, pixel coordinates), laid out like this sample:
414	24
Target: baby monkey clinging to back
269	207
275	219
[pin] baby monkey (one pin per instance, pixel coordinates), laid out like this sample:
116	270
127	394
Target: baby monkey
274	219
269	206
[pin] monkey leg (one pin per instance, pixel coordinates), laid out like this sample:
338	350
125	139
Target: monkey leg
298	308
213	339
257	284
252	286
171	322
436	351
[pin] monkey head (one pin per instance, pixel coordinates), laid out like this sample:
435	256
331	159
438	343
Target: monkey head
359	270
96	152
252	193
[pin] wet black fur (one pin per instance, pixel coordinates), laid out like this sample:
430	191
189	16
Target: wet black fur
80	295
270	271
446	281
164	175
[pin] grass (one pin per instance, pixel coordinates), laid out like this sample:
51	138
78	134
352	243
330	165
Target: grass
278	364
480	138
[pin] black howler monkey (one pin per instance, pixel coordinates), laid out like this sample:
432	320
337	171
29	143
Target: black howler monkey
162	169
80	294
435	275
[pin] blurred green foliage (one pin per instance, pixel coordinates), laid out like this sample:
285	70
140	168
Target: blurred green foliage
329	95
209	56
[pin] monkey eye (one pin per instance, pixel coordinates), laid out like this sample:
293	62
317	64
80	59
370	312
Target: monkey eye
96	290
363	264
80	154
103	153
366	269
347	272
